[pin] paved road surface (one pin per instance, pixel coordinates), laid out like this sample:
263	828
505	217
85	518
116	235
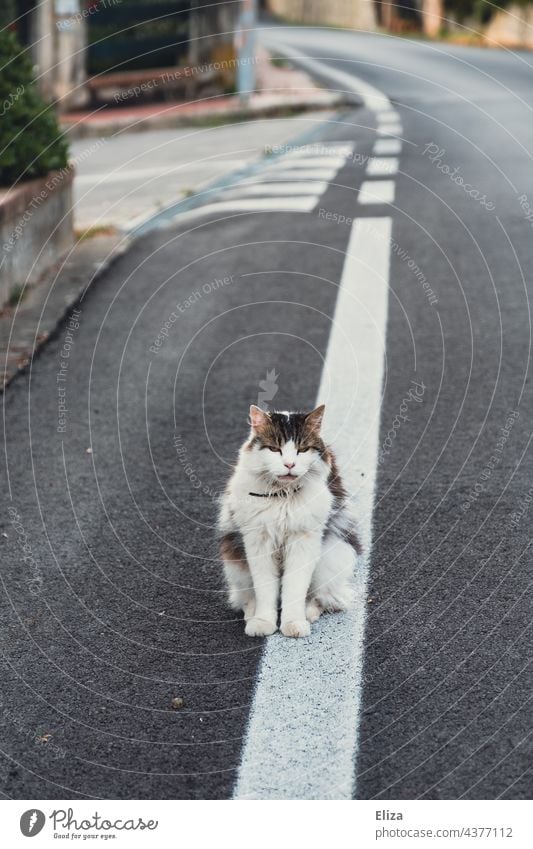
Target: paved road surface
117	607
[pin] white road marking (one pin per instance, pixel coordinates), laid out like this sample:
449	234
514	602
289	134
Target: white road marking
303	188
318	148
383	147
275	204
372	97
293	174
387	115
132	174
378	166
302	737
285	184
389	130
376	191
307	162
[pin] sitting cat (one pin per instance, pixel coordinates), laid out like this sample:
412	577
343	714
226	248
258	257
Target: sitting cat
286	526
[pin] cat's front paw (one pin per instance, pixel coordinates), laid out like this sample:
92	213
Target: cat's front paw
259	627
296	628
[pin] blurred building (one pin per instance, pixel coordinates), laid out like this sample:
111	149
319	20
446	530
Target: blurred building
74	43
360	14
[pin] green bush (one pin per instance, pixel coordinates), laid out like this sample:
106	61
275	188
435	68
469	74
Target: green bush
482	10
31	143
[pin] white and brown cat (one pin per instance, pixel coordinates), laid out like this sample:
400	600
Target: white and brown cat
287	532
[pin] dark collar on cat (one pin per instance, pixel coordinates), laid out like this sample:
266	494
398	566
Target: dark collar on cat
281	492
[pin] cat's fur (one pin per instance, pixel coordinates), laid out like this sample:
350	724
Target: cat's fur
286	529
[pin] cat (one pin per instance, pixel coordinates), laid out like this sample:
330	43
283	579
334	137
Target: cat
286	526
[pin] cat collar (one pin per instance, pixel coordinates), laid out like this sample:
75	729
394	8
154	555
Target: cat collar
282	492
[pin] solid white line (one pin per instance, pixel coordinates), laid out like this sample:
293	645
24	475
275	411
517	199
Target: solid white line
302	737
302	188
387	146
372	97
376	191
379	166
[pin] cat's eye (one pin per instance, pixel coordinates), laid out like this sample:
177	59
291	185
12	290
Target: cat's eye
302	450
271	448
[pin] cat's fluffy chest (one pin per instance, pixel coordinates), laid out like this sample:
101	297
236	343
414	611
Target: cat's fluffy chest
280	517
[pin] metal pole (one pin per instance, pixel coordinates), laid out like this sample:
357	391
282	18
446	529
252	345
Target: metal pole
245	47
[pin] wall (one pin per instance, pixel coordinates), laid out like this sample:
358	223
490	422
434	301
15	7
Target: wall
359	14
512	27
36	228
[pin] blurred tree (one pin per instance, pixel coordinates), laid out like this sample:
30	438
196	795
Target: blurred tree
433	13
8	12
483	10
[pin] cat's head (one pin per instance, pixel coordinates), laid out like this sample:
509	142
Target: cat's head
283	447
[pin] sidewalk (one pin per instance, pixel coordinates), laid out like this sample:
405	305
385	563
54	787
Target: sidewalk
280	91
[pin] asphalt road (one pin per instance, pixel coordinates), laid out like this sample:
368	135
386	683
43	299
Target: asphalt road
117	607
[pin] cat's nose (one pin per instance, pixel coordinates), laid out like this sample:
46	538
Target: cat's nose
290	465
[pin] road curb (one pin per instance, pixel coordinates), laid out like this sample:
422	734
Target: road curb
291	106
25	329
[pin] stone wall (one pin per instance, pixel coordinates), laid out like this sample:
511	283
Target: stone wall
359	14
36	228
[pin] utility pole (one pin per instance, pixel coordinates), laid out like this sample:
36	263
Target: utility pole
245	49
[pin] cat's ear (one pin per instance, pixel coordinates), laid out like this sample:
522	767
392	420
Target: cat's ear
258	417
313	421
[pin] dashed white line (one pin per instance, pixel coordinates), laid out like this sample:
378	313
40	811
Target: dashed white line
302	736
378	166
389	129
384	147
388	115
